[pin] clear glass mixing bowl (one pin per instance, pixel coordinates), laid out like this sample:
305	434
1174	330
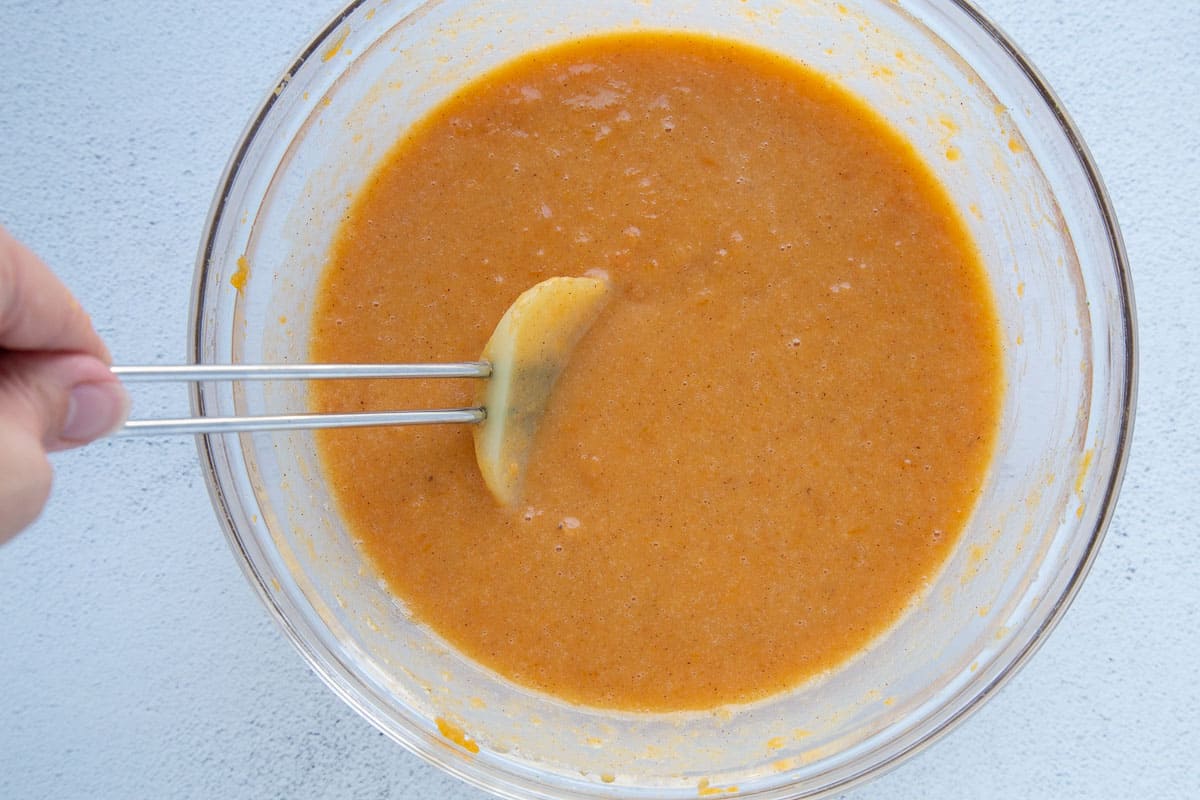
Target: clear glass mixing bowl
947	79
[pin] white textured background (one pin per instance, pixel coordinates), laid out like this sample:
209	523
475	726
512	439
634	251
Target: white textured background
136	662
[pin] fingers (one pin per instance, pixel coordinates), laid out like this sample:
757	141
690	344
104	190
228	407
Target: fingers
26	483
56	389
37	312
48	402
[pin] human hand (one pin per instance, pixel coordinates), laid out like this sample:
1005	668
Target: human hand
56	389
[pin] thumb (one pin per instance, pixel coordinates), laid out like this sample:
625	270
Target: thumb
61	400
48	402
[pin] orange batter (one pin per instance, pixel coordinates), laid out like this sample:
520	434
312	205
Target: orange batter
765	446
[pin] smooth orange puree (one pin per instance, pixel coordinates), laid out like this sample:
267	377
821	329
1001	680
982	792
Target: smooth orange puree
765	446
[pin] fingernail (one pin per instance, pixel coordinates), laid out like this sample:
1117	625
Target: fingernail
93	410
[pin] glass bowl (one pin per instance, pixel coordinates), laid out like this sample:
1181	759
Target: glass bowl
1005	150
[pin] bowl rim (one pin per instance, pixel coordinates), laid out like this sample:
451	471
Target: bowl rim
344	684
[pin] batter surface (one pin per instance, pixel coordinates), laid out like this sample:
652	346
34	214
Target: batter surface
764	447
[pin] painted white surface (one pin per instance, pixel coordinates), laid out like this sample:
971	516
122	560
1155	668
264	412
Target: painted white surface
136	662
